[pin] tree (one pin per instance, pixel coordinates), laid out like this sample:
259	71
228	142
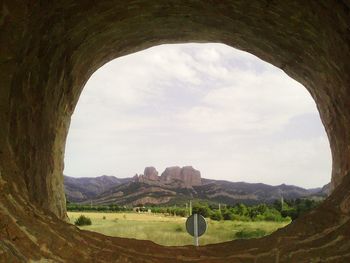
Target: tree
203	210
216	215
227	214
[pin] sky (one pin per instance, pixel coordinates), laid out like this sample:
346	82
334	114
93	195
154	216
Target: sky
227	113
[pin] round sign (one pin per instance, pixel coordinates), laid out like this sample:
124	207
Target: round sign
201	223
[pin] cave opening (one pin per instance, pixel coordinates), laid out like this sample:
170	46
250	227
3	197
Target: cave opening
252	134
49	51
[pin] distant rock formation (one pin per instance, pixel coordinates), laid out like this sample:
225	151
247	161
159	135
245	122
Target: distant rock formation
187	175
176	185
150	176
151	173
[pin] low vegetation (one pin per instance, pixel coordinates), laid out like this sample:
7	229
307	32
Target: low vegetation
276	212
250	233
97	208
166	225
169	230
83	221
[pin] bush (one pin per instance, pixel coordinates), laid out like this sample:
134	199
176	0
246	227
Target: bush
271	214
249	233
83	221
216	216
227	215
202	210
179	229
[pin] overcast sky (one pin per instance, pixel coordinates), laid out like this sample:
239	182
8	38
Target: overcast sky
225	112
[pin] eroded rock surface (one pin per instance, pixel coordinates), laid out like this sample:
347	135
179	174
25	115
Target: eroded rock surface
49	49
151	173
187	176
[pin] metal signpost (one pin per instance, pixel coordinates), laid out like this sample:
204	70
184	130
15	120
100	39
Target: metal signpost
196	227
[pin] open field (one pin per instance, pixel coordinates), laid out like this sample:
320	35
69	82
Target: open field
170	230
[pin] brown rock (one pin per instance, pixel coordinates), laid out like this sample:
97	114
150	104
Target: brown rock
191	176
170	174
151	173
187	175
150	176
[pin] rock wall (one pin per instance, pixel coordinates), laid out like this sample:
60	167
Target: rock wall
48	50
187	175
150	176
151	173
183	177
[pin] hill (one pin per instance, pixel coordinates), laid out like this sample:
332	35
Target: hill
175	186
86	188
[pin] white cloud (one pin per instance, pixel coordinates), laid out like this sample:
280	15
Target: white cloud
224	111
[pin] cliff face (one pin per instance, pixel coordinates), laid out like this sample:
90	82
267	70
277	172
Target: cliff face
151	173
185	177
150	176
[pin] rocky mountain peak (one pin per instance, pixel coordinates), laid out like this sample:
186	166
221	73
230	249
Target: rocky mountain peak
187	175
151	173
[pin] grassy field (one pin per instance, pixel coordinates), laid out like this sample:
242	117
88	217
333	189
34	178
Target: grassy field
170	230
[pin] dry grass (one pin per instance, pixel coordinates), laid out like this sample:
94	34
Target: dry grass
167	230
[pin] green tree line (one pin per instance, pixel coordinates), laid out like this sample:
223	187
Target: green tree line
278	211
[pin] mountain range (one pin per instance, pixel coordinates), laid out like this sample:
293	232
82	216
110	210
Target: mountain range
177	185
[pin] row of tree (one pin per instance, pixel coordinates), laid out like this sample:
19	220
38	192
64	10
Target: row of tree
261	212
278	211
97	208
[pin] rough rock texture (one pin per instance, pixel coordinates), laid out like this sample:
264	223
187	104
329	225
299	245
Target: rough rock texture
188	176
48	50
151	173
150	176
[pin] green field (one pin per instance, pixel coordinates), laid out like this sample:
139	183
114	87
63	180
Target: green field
170	230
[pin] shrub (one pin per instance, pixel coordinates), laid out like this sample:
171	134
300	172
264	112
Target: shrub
178	229
103	217
216	216
291	212
82	221
227	215
249	233
270	214
203	210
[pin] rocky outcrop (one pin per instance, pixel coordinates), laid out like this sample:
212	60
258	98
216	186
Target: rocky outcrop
49	49
149	176
151	173
180	177
187	175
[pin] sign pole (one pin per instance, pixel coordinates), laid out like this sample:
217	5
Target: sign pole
196	227
195	224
